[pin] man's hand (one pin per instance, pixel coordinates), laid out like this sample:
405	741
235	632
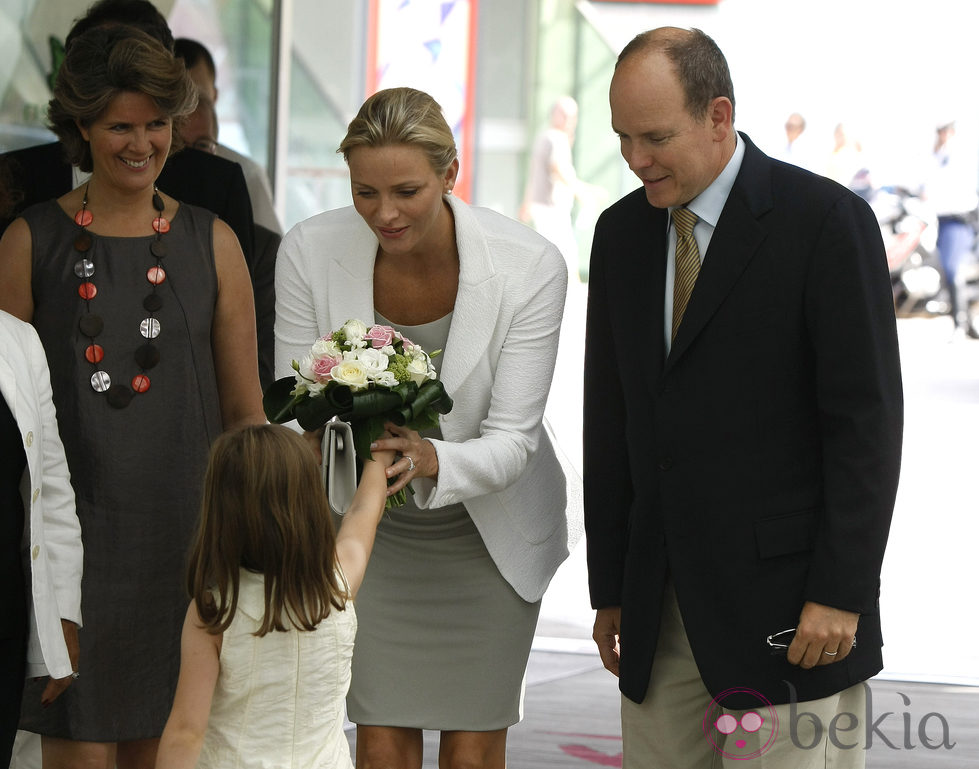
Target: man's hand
606	635
825	635
57	685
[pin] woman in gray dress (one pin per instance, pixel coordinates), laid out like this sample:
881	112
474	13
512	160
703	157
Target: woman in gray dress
144	308
450	600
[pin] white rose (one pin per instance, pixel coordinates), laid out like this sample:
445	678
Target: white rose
386	379
325	348
375	361
418	369
354	331
305	372
351	373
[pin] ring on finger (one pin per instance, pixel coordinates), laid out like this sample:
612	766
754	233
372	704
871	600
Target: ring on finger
831	654
411	464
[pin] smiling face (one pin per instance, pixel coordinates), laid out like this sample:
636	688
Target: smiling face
129	142
399	195
674	154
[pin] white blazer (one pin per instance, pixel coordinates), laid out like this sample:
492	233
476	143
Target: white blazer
496	456
54	535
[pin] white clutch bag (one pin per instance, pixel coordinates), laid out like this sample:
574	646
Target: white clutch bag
339	465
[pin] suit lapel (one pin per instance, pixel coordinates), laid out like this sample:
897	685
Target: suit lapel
478	300
734	243
648	287
351	288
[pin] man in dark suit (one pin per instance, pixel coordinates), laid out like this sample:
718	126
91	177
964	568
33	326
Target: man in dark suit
742	432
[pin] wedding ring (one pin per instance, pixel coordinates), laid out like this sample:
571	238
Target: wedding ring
411	464
831	654
74	674
853	642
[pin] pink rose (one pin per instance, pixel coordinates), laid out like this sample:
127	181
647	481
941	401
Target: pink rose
380	336
322	367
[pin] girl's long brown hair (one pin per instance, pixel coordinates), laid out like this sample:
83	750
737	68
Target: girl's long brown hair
264	510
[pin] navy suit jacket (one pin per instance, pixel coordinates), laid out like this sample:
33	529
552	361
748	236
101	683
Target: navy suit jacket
757	464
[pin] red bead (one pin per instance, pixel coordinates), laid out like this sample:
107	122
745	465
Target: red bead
94	353
156	275
83	217
141	383
87	290
160	224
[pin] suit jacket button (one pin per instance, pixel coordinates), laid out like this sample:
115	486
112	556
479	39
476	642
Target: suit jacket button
29	438
35	552
35	495
665	463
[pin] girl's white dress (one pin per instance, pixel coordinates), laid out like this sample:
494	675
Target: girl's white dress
279	698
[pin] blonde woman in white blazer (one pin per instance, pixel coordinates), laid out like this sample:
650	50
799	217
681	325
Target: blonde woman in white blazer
449	605
51	536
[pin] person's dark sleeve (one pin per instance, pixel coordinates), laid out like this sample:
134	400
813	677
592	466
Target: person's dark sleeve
608	485
851	326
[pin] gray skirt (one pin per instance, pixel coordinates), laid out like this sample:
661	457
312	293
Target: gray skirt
443	640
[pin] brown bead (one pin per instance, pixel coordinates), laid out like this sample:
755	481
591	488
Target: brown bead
119	396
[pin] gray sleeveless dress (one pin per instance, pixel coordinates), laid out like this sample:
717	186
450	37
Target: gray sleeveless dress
136	471
442	638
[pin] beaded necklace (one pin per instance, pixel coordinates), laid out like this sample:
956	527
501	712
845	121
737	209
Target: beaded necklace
91	324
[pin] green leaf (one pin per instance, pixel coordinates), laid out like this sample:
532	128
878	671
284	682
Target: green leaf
278	402
313	413
366	431
374	402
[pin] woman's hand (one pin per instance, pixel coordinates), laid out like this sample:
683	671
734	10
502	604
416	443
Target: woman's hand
418	458
57	685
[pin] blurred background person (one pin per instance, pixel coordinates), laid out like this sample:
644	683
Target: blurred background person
950	189
200	130
553	184
797	148
847	163
40	541
200	66
110	262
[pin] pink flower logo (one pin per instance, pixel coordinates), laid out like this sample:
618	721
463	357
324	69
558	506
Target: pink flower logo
380	336
728	734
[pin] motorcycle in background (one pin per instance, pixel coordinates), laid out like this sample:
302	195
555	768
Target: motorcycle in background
910	233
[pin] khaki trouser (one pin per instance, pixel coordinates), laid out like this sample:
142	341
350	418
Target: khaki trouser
680	726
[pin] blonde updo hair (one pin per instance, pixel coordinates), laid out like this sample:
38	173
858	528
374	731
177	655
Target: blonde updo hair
105	62
402	116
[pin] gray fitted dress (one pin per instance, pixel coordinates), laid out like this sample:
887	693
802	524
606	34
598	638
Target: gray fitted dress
442	640
136	471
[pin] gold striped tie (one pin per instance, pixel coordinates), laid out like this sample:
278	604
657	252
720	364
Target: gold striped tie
687	264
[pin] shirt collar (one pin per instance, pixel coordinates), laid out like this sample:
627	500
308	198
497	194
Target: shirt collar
709	203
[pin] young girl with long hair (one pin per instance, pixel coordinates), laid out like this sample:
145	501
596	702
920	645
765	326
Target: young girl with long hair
269	633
